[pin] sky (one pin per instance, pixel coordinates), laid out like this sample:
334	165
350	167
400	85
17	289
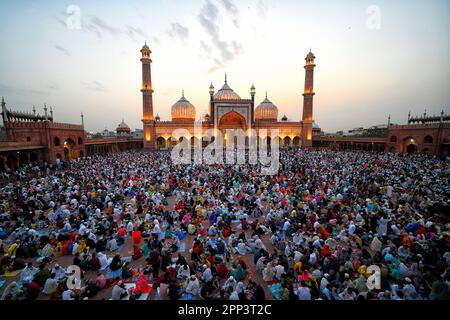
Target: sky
373	58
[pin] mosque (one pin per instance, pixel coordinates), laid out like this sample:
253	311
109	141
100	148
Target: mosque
30	137
227	110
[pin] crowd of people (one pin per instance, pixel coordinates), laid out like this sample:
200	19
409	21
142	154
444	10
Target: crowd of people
133	225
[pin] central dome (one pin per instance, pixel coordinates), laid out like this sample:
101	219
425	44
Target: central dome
183	110
226	93
266	110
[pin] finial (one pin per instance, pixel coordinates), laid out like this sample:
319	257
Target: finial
3	100
34	110
182	93
145	42
309	49
45	111
266	94
225	78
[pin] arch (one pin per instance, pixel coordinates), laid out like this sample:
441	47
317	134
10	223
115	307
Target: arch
28	139
23	158
34	157
160	143
296	141
426	151
232	120
411	148
287	141
11	161
428	139
80	140
68	149
172	142
56	142
392	149
2	164
393	139
81	154
58	156
69	142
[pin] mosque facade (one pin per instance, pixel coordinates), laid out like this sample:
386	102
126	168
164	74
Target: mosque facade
227	110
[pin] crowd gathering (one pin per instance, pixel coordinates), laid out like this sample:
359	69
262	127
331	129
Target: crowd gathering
133	225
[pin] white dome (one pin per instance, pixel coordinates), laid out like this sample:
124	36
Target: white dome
226	93
183	110
266	110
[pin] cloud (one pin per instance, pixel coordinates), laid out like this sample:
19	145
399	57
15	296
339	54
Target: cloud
7	90
94	86
63	50
232	9
53	86
208	19
178	31
134	33
205	48
98	27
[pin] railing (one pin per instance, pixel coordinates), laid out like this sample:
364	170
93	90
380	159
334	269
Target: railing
420	125
43	125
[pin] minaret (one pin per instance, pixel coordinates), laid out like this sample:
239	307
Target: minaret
211	103
252	94
308	95
4	112
147	99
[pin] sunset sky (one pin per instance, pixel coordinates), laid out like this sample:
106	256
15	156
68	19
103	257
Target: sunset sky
366	69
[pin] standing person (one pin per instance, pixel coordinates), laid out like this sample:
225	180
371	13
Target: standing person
155	261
